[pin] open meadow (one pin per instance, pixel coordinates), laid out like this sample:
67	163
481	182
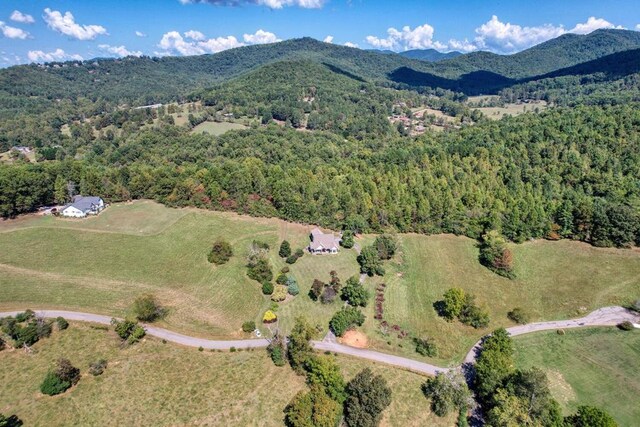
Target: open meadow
217	128
100	264
151	383
595	366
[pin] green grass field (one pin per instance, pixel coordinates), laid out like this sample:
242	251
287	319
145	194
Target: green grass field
555	280
102	263
217	128
596	366
159	384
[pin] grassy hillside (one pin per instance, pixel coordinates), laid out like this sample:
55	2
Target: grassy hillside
100	264
588	367
555	280
162	384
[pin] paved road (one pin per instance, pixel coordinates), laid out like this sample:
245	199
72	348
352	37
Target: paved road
607	316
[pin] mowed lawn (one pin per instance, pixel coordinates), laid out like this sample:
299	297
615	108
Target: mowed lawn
596	366
159	384
555	280
217	128
102	263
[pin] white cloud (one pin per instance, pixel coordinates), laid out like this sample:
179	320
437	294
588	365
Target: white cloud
506	37
593	24
140	34
195	43
119	50
57	55
273	4
13	32
420	37
349	44
173	42
194	35
66	24
260	37
638	27
23	18
461	45
329	39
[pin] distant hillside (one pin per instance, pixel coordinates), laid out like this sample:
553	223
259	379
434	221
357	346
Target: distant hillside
429	55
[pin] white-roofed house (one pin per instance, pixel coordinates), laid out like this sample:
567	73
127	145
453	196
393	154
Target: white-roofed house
83	206
323	243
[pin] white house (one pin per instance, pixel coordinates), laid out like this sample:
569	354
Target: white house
322	243
83	206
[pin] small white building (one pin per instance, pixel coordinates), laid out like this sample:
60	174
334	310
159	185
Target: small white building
322	243
83	206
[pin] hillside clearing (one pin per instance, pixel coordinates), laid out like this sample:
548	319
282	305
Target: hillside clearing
217	128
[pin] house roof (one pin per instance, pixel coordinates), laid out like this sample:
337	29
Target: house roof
323	241
84	203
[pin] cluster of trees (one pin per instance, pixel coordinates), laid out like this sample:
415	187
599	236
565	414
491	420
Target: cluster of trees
495	255
355	293
361	401
25	329
456	303
129	331
11	421
221	252
371	257
258	266
326	292
61	379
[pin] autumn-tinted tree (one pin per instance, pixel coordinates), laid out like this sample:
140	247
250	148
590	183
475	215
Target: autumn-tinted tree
495	255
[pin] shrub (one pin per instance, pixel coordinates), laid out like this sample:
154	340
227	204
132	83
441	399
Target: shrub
347	241
588	416
292	286
285	249
276	350
328	295
52	384
299	253
370	262
292	259
518	315
317	287
128	330
97	368
474	316
284	270
12	421
281	279
232	349
67	372
267	288
447	391
385	246
269	317
147	309
426	347
355	293
261	245
2	344
495	255
452	303
260	270
249	326
27	335
345	319
220	253
626	326
25	316
279	293
62	323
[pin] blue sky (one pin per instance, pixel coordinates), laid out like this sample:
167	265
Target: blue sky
39	31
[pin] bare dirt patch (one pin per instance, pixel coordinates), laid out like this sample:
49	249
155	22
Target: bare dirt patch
355	338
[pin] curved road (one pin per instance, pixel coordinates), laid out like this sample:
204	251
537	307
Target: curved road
608	316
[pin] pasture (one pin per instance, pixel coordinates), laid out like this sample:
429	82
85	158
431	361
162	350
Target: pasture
158	384
555	280
595	366
217	128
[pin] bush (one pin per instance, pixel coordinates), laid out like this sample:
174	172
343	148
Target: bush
299	253
347	241
277	352
261	245
626	326
292	286
328	295
281	279
385	246
518	315
426	347
474	316
2	344
495	255
292	259
12	421
128	330
67	372
284	270
279	293
52	384
448	392
25	316
267	288
147	309
260	270
97	368
345	319
285	249
452	303
62	323
249	326
370	262
220	253
317	287
269	317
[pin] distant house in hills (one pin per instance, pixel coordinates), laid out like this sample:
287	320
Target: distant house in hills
323	243
83	206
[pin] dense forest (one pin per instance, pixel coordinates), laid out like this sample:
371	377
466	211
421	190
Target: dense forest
571	173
